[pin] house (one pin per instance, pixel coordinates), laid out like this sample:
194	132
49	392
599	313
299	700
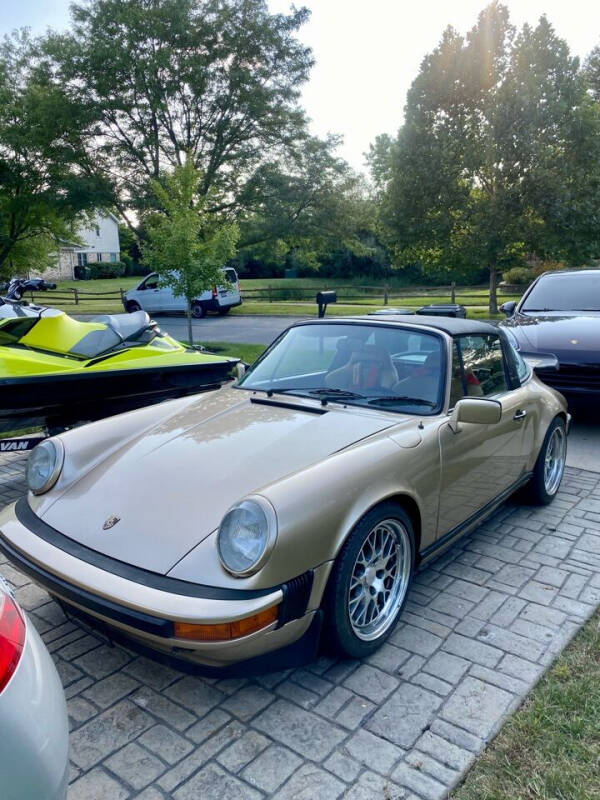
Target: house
99	242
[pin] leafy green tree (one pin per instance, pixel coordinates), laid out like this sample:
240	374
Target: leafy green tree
187	245
305	208
46	180
592	72
489	164
217	79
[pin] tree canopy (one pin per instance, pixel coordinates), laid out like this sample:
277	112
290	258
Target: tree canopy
216	79
46	180
497	157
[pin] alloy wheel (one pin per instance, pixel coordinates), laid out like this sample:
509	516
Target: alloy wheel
379	580
554	461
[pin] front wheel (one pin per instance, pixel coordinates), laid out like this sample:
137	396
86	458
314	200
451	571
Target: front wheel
198	311
370	580
550	465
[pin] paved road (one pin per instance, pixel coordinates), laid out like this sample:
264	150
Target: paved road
251	329
237	328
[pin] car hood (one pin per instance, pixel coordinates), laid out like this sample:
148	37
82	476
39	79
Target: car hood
171	485
573	339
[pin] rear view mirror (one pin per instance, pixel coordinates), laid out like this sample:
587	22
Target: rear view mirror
477	411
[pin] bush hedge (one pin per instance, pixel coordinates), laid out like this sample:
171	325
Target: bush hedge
518	276
106	269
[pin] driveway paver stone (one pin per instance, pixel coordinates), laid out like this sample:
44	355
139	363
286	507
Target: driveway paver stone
481	625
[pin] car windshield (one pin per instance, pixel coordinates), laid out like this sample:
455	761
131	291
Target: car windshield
569	292
375	366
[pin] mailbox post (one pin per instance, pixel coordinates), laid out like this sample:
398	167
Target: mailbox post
323	300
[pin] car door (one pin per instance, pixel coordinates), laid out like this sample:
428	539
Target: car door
480	462
148	293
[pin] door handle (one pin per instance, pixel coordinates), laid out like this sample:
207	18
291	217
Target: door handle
520	415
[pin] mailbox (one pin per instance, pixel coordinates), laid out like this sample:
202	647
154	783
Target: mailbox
323	300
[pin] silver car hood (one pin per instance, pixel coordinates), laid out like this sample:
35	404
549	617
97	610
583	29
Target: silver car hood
171	486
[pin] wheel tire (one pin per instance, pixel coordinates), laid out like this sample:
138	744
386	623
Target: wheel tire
133	306
224	311
198	311
548	471
348	638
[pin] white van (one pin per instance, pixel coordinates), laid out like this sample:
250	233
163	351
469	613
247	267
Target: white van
155	299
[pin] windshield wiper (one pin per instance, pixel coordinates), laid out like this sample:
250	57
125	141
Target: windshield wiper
319	391
391	399
334	393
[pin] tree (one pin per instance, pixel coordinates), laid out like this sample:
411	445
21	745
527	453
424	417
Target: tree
216	79
305	207
489	163
45	177
592	71
187	245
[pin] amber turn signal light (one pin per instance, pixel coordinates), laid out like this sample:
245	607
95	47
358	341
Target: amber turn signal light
223	631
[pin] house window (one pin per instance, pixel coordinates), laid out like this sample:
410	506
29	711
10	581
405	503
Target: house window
113	257
97	230
82	259
99	257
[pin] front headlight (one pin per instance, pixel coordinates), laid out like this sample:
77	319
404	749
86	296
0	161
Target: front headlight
246	536
44	465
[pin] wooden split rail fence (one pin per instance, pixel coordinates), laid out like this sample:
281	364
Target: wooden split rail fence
350	295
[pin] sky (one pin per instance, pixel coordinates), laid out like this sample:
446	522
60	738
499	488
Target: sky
367	51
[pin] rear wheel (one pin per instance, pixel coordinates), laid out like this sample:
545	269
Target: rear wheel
370	580
550	465
224	310
133	306
198	310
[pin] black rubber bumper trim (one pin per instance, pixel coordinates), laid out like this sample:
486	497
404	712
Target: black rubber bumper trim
95	604
80	551
296	654
296	594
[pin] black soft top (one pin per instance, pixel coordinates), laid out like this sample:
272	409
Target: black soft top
453	326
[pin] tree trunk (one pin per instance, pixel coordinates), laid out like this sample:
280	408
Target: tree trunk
493	287
189	321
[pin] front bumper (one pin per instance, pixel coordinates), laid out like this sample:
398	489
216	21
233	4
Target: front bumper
143	608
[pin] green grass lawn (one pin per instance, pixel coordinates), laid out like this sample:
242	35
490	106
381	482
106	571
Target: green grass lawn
343	309
549	749
247	352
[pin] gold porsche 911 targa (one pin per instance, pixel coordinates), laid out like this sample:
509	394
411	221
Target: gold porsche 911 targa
237	528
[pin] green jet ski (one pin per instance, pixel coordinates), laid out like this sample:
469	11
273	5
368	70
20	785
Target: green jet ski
56	371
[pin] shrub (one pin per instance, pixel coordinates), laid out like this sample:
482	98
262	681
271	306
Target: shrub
106	269
518	276
548	266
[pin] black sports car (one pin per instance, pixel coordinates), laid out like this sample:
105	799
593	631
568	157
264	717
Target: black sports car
560	314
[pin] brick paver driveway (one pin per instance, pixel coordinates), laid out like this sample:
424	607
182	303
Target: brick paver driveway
481	625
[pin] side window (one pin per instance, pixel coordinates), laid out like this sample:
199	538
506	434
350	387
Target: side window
483	365
456	381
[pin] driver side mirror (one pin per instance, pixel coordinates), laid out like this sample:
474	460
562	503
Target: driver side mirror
508	308
477	411
240	370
